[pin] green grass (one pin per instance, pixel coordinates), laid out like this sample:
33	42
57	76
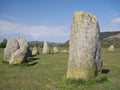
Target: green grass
48	72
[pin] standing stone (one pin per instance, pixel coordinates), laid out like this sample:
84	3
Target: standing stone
111	48
21	54
55	50
11	47
46	49
85	48
35	51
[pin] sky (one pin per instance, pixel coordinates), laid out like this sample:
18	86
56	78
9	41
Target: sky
50	20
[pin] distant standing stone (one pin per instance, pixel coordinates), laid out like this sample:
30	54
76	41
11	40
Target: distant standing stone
111	48
55	50
85	48
35	51
46	49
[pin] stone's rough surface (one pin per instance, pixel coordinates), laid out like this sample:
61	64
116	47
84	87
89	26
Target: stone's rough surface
35	51
16	51
111	48
11	47
21	54
22	42
46	49
55	50
85	48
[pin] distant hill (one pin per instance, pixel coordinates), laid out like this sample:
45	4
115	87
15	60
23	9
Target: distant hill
104	35
107	38
110	38
113	38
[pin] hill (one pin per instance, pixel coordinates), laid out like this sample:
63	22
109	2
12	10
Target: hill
107	38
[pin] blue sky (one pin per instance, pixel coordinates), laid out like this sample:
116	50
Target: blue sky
50	20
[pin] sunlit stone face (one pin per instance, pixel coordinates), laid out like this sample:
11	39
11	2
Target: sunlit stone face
84	49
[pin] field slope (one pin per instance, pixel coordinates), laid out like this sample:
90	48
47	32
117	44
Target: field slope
47	72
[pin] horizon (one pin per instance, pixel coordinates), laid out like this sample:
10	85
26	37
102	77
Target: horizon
43	20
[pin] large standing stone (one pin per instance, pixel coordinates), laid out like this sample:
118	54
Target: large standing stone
35	51
21	54
11	47
111	48
46	49
85	49
55	50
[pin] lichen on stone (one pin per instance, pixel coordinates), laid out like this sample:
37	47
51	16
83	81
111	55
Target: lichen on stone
84	47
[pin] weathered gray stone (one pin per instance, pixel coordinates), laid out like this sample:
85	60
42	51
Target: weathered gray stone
11	47
22	42
21	54
85	48
111	48
35	51
55	50
46	49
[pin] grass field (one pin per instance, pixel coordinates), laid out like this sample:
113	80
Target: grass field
47	72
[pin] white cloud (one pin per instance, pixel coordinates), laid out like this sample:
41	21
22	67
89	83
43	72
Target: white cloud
116	21
35	32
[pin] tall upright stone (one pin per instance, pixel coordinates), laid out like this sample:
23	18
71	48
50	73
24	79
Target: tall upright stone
46	49
85	48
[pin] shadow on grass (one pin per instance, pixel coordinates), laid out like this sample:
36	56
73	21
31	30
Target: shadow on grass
105	71
31	59
33	55
32	64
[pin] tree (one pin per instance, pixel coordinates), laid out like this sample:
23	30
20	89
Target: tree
3	43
